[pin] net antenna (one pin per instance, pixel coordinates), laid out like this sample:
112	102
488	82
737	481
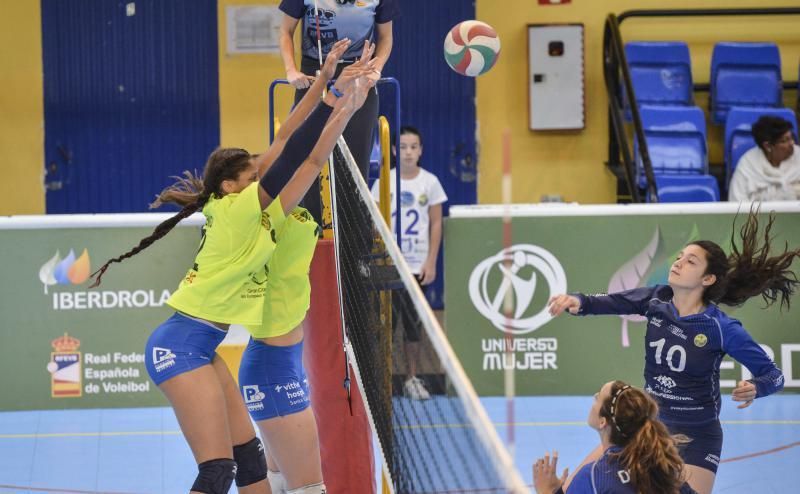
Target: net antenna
444	444
508	299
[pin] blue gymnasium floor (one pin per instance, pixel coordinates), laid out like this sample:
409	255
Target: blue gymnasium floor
141	450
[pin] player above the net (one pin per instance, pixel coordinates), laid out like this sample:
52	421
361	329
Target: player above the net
245	200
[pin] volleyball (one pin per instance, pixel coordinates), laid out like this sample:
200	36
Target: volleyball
471	48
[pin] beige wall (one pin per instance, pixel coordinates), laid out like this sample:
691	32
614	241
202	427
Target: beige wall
571	163
21	109
244	88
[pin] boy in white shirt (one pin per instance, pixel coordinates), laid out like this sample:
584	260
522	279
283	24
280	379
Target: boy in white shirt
421	198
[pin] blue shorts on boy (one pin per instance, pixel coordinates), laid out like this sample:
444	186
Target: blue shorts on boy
273	381
180	344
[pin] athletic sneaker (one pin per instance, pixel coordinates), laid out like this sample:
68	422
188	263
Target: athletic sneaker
415	389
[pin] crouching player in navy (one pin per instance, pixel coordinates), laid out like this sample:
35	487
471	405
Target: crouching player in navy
688	335
638	454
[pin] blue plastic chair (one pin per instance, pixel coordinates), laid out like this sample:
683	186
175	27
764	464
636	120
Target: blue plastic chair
676	141
661	73
744	74
738	136
686	188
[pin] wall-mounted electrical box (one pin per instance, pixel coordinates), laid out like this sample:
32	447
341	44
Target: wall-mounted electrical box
555	77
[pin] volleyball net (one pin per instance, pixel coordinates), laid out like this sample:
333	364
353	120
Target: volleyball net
433	433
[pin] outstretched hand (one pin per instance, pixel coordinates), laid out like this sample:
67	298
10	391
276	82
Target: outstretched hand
545	480
363	67
560	303
356	94
332	60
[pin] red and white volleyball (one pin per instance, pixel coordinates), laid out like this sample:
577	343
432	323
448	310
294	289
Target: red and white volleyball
471	48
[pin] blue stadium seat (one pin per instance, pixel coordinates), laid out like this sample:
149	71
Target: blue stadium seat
744	74
661	73
676	141
686	188
738	137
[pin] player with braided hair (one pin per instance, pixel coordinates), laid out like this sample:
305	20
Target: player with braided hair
244	215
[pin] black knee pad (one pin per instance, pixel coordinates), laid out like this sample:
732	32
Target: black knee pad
252	462
215	476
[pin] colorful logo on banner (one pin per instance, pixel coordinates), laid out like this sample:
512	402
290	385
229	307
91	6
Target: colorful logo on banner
65	368
647	268
66	271
528	263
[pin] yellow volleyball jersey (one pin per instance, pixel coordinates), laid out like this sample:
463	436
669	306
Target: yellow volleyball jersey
288	287
228	279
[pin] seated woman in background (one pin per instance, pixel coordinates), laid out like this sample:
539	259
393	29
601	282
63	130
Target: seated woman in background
771	170
639	455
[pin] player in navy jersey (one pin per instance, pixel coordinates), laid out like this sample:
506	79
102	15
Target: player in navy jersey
638	454
688	335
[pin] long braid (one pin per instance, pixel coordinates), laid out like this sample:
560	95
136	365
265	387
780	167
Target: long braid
192	194
158	232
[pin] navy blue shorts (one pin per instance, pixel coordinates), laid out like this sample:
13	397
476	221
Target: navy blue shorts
705	446
273	381
178	345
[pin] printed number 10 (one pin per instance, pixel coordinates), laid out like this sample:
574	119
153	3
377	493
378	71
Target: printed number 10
659	346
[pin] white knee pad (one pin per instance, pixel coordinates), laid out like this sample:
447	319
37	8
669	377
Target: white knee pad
309	489
277	482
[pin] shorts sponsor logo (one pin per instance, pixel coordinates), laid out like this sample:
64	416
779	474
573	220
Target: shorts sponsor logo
700	340
656	321
294	392
253	397
712	459
65	368
163	358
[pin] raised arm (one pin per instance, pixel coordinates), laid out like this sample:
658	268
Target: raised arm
345	107
621	303
303	109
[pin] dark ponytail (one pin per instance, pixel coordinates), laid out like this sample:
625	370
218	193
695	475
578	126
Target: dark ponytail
192	193
648	453
750	270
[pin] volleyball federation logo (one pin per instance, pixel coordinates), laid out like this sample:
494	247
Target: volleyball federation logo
66	271
65	367
492	280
